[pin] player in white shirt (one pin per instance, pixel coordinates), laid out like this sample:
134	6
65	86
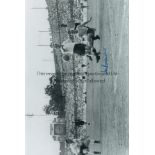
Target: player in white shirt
81	29
81	146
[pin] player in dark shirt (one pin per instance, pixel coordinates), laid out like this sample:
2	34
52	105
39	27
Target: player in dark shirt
80	123
80	49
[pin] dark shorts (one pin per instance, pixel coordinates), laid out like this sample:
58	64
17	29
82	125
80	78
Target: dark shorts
79	122
82	147
79	49
90	31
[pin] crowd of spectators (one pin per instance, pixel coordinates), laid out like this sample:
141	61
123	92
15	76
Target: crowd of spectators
73	85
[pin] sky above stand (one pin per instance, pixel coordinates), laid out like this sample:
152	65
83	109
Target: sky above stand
38	59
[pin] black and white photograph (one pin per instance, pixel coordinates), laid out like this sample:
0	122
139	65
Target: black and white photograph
77	77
